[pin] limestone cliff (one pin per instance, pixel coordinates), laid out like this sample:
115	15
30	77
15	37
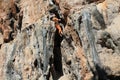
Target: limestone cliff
31	47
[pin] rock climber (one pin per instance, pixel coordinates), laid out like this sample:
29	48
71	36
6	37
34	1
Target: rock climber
57	24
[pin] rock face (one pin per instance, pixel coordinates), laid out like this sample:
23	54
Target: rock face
31	48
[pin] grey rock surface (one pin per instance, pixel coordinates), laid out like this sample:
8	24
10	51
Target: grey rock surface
87	49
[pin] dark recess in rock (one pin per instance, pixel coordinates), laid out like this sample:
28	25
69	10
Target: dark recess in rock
57	54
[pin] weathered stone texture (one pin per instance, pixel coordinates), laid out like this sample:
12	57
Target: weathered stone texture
32	49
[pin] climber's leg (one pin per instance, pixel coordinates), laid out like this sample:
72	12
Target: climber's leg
59	28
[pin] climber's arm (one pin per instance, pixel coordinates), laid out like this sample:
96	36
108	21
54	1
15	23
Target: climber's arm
57	26
55	19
